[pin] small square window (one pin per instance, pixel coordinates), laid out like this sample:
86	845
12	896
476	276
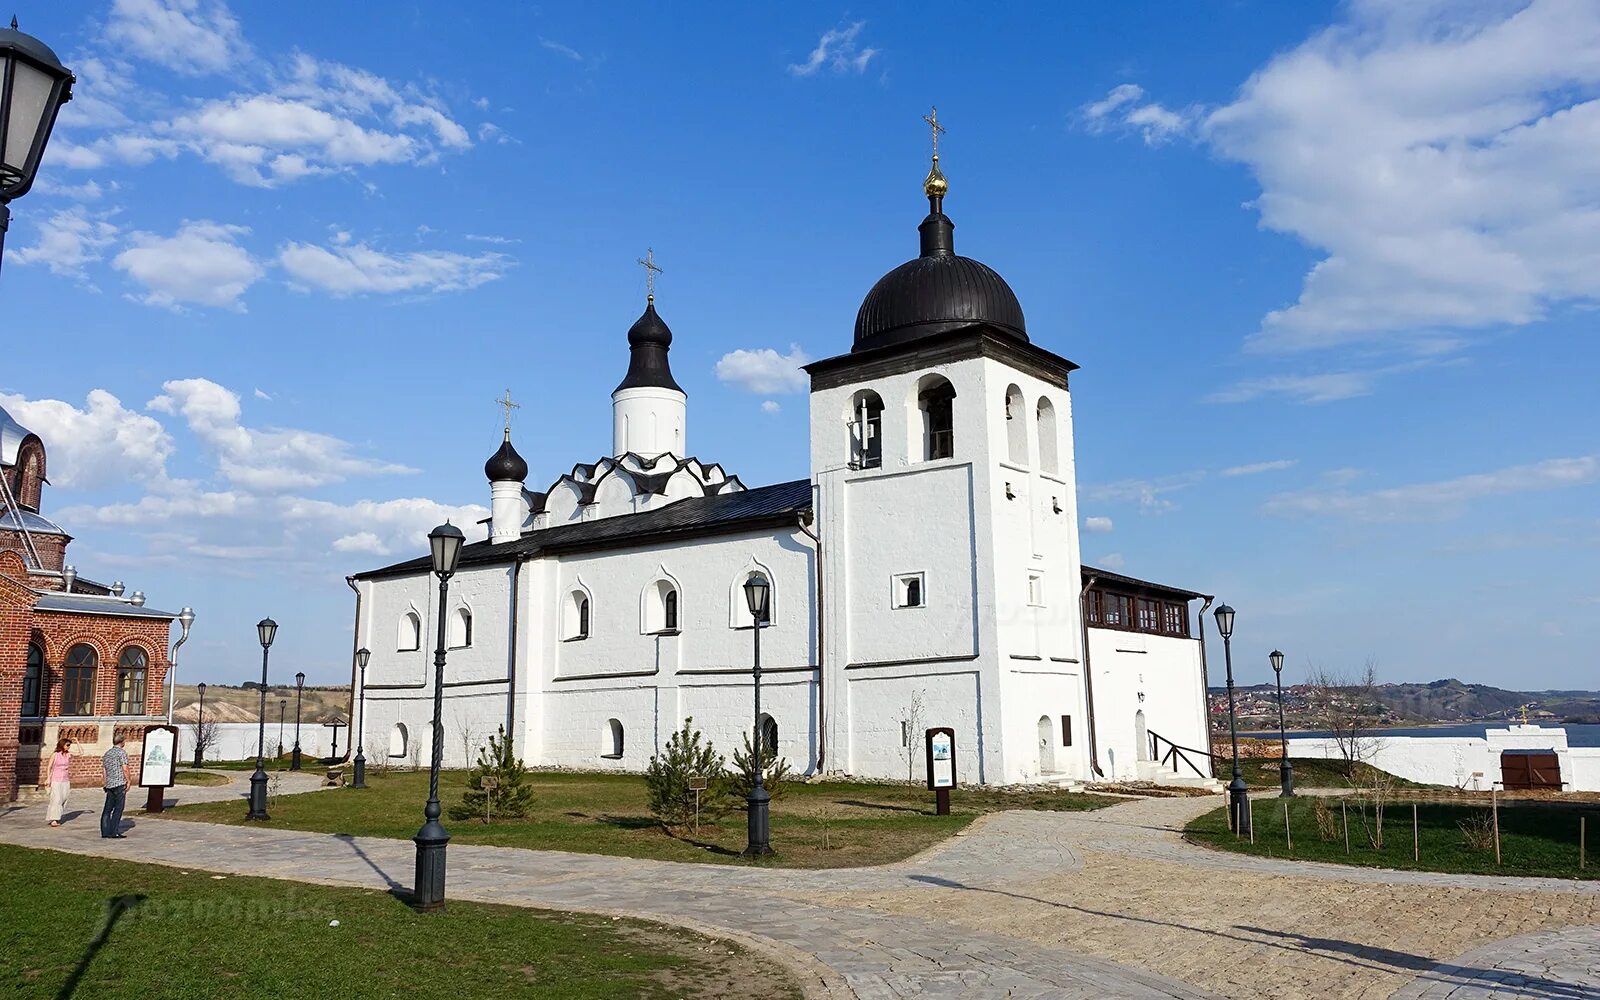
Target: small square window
1036	589
909	591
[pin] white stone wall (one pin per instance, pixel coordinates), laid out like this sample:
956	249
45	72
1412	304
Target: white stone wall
237	740
1465	761
1158	675
649	420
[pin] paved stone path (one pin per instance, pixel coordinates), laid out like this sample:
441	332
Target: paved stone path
1557	964
1024	904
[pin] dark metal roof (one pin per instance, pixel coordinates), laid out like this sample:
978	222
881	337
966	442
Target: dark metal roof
1118	580
505	464
710	515
649	340
35	523
87	604
935	293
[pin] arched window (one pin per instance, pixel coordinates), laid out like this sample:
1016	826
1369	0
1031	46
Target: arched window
866	430
31	681
936	401
408	634
611	740
1016	427
575	615
30	475
77	687
131	667
461	628
769	734
660	607
740	604
1045	414
397	740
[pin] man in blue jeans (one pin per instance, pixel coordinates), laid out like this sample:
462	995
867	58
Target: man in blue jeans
119	774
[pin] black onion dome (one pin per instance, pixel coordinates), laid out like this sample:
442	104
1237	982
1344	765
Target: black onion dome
506	465
649	340
935	293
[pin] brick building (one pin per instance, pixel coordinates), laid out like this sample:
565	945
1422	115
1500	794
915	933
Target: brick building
77	658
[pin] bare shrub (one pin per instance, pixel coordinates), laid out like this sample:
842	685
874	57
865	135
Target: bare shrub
1477	831
1327	823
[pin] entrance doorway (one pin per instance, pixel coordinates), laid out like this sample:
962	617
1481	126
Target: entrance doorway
1047	746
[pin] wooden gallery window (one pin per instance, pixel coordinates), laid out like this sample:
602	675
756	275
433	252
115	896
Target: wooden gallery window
1149	615
1177	620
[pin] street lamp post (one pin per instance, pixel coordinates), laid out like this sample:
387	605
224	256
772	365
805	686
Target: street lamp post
33	86
757	592
1238	794
200	726
299	688
266	630
1285	769
283	704
185	619
362	656
444	543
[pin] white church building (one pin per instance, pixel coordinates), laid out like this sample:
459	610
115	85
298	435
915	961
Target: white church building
926	573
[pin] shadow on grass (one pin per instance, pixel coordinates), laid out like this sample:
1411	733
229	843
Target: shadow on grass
884	806
629	822
116	906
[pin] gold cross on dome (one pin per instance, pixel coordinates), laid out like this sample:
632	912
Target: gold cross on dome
648	262
509	406
935	128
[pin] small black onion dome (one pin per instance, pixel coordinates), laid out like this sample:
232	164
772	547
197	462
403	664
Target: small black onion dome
649	339
936	292
506	465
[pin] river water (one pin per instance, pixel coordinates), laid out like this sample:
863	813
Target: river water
1577	735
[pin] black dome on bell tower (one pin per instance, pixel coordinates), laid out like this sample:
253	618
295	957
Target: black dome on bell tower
506	465
649	340
937	291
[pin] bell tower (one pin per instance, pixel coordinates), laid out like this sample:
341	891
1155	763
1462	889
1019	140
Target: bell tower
649	410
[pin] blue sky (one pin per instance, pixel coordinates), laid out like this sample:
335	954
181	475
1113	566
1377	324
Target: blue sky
1329	270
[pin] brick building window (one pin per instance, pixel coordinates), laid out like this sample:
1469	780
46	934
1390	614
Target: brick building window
77	689
31	681
130	681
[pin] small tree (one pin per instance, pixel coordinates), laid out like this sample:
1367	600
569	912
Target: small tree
205	737
774	771
666	780
911	734
467	733
507	793
1350	711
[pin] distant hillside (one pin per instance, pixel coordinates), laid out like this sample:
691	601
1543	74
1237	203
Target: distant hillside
1446	700
230	703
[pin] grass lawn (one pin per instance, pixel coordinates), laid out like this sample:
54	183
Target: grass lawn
198	778
825	825
1535	839
187	934
1309	772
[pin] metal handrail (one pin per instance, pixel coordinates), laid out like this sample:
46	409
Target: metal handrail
1175	753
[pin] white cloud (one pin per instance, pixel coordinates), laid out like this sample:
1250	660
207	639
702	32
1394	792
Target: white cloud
563	50
837	50
190	36
1440	157
1113	560
1149	494
67	241
89	190
1326	387
1277	465
202	263
1098	525
360	541
263	396
1125	107
355	269
103	444
386	527
1436	500
765	371
770	406
267	460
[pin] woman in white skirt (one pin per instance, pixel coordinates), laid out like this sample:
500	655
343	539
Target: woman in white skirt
60	780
